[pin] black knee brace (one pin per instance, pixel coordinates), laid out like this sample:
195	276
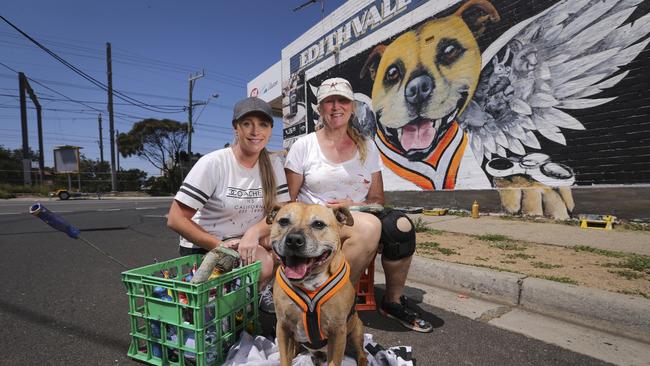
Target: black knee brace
396	244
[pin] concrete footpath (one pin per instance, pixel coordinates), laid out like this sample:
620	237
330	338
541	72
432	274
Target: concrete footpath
513	300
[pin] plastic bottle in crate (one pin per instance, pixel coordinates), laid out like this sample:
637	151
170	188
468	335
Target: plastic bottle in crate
156	349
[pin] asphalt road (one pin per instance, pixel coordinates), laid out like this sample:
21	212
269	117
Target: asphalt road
63	303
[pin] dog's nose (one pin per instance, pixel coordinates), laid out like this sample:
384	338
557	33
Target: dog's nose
418	89
295	241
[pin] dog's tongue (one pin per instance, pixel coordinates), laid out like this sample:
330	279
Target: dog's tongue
296	271
418	135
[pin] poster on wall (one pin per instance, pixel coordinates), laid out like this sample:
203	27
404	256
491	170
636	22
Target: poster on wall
294	109
507	94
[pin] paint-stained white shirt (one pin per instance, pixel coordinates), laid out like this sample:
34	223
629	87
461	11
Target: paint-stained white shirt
325	181
227	196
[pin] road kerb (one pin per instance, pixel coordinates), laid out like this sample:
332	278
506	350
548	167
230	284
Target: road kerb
616	313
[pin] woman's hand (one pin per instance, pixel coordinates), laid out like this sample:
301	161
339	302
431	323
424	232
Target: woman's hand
247	247
232	243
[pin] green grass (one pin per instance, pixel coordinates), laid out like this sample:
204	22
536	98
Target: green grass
545	265
639	263
559	279
508	246
492	237
434	231
636	262
10	190
446	251
428	245
627	274
420	225
520	256
603	252
4	194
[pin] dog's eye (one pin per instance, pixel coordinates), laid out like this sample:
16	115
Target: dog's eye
318	225
393	75
449	50
284	221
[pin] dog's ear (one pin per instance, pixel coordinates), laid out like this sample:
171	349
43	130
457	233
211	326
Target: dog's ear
343	215
476	14
372	63
271	216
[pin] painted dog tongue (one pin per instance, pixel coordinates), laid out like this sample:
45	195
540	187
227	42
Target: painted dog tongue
418	135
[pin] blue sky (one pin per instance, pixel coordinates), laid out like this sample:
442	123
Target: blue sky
155	47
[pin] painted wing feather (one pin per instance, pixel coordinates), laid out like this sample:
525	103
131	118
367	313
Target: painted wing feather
554	61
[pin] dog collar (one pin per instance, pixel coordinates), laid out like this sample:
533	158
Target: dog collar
310	301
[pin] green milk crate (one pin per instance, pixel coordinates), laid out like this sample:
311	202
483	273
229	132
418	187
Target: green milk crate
169	315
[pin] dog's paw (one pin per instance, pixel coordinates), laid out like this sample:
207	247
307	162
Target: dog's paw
523	195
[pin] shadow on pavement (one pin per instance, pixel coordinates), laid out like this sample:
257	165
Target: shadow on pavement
65	328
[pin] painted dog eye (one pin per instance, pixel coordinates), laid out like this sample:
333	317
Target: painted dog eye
449	50
318	225
393	75
284	221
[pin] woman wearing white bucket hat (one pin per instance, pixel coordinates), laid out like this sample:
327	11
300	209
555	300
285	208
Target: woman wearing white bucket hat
336	165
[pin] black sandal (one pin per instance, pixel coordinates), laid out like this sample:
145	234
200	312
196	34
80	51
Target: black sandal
407	317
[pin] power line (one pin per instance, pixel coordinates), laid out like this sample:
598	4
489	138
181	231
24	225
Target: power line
92	80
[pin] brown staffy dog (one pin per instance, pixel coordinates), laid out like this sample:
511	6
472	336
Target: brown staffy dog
314	298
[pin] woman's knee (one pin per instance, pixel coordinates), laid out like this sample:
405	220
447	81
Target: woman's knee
367	226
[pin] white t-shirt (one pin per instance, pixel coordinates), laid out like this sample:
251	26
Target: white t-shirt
227	196
326	181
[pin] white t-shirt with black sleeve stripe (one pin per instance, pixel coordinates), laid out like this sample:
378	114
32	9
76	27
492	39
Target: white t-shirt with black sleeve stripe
227	196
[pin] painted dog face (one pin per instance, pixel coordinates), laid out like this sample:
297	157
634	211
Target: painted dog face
423	80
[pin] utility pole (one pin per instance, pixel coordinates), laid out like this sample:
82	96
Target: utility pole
27	164
117	147
101	139
111	122
27	161
192	79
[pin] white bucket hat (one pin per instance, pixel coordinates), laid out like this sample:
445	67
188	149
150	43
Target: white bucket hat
334	86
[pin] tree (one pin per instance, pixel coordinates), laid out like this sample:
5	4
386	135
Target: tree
160	142
11	165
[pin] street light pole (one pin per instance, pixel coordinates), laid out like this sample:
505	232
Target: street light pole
192	79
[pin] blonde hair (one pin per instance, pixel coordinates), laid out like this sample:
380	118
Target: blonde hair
269	185
354	134
268	180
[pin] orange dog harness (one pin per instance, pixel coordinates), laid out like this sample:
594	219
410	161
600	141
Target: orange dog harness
311	301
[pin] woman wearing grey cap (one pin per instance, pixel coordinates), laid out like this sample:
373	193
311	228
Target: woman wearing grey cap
224	199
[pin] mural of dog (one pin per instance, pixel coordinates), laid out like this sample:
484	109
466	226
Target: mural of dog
442	106
421	82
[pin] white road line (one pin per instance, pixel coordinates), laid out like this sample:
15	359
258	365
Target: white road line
12	213
108	209
146	208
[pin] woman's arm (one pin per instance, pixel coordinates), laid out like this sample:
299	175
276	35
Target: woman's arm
376	191
294	182
179	219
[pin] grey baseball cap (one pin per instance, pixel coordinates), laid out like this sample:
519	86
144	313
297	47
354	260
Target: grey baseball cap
249	105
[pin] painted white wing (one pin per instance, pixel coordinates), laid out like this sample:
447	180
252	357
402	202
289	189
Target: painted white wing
550	63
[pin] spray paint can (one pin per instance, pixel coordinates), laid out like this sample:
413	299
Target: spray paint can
475	213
